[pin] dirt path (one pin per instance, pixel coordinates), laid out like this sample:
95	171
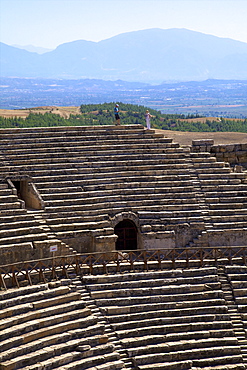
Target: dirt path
185	138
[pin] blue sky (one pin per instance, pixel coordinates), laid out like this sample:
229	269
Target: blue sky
49	23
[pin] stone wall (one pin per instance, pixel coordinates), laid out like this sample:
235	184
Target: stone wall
235	154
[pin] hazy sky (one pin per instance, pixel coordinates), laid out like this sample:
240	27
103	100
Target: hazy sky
49	23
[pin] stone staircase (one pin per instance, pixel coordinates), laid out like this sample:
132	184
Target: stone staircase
21	234
235	315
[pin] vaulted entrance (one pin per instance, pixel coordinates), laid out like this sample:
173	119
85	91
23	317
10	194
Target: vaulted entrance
127	235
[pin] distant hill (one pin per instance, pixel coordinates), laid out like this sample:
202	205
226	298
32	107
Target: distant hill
33	49
152	56
103	114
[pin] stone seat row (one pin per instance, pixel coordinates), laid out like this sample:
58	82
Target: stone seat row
136	180
89	138
95	173
23	220
186	192
111	187
49	326
129	301
127	176
77	153
123	190
122	197
192	215
156	280
99	169
91	209
187	365
183	346
111	157
88	214
74	130
84	142
157	315
198	363
32	151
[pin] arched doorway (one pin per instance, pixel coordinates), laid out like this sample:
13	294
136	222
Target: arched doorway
127	235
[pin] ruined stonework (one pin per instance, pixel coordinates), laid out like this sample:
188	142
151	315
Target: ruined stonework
168	319
234	154
88	189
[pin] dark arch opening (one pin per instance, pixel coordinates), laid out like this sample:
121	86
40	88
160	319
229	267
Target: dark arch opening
127	235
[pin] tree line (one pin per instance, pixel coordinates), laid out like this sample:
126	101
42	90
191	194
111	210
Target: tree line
130	114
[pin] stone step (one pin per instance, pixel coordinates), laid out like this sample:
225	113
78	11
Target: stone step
167	321
185	306
70	352
220	360
89	148
154	280
199	356
225	187
87	144
176	365
96	172
81	154
145	290
20	238
122	197
126	205
111	176
167	347
93	161
182	314
15	222
150	275
131	300
31	315
224	174
71	130
142	180
138	192
19	231
109	361
212	182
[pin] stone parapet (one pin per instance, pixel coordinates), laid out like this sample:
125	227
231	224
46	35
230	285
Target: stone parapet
202	145
235	154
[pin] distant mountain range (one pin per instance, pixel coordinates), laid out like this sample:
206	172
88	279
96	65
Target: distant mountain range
33	49
152	56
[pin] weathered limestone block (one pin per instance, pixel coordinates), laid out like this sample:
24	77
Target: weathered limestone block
159	240
202	145
227	238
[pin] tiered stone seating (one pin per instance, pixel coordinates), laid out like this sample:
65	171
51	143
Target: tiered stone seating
224	198
20	232
174	319
86	176
237	276
48	326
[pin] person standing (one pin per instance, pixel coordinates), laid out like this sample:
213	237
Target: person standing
147	118
116	112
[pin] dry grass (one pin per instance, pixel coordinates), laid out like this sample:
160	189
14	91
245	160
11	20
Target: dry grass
23	113
185	138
